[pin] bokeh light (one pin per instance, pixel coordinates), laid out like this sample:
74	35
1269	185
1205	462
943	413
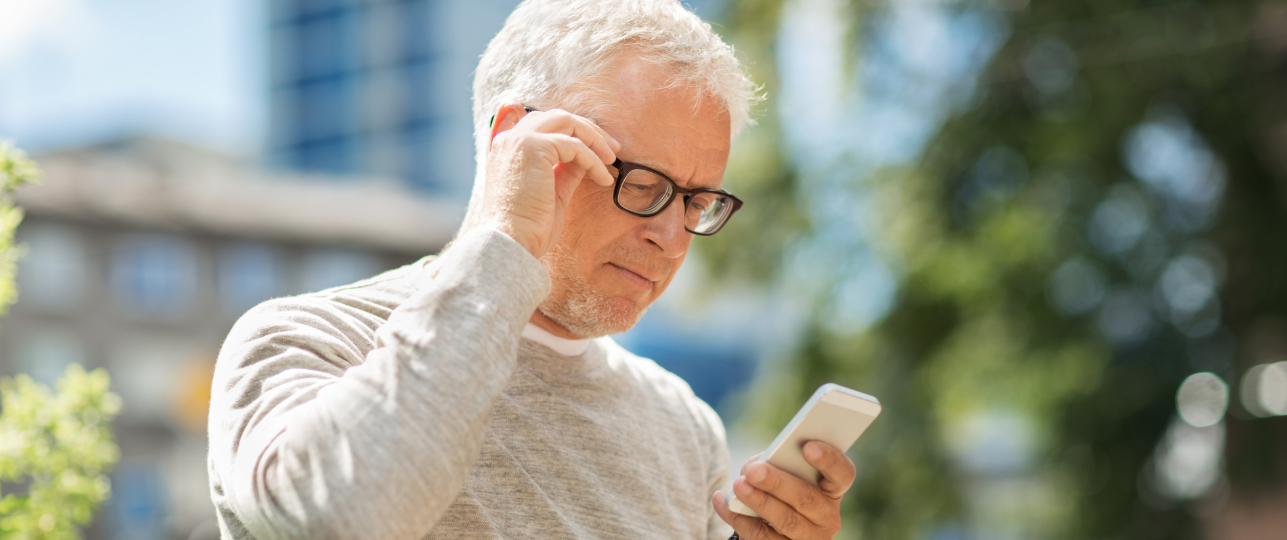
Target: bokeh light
1125	317
1188	284
1187	462
1118	223
1202	399
1077	286
1051	66
1264	390
1173	160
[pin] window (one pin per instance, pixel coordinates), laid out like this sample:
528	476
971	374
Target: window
424	100
138	509
324	110
52	275
332	268
381	31
248	274
438	160
383	92
324	45
416	32
384	155
45	354
147	372
331	156
155	275
314	8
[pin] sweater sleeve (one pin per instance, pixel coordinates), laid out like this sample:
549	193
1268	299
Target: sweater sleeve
717	478
308	442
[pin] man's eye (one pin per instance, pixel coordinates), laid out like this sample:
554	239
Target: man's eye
697	205
636	188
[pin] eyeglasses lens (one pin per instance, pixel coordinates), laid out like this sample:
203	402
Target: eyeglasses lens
706	212
646	193
643	192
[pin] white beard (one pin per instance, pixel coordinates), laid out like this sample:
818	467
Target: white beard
576	306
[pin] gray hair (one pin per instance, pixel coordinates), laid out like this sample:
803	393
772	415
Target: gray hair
549	49
552	52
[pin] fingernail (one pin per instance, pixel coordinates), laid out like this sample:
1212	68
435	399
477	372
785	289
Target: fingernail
813	451
756	474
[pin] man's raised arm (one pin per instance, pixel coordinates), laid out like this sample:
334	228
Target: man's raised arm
310	441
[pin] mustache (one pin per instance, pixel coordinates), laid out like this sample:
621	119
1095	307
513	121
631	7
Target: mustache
641	262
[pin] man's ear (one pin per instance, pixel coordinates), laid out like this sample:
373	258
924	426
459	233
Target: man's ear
505	118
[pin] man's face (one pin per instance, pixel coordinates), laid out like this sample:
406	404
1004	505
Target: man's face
608	266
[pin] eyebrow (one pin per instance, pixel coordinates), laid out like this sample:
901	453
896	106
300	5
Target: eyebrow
670	176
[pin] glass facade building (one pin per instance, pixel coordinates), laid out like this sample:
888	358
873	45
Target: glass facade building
378	87
383	87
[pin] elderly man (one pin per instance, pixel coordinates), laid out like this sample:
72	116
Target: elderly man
472	394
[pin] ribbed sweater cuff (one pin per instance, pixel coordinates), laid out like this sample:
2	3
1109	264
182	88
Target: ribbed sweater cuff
487	259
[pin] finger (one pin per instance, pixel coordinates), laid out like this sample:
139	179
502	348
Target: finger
567	176
607	138
594	137
573	150
789	501
837	469
752	459
747	527
780	516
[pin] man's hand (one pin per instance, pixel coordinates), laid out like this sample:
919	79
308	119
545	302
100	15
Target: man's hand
535	163
790	507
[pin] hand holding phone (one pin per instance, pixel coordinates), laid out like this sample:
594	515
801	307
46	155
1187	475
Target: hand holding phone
835	415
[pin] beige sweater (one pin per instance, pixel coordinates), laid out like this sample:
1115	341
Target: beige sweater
407	406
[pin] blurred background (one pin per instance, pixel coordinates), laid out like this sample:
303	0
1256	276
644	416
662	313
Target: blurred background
1049	236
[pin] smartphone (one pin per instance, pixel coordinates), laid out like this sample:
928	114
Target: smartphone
835	415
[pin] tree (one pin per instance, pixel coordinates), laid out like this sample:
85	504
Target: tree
15	170
1098	222
55	448
59	445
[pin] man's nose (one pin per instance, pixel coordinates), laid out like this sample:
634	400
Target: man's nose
666	230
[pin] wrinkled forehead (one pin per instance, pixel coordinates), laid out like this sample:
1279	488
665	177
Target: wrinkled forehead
674	129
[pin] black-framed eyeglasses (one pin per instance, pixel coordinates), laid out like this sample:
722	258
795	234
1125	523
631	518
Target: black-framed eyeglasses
645	192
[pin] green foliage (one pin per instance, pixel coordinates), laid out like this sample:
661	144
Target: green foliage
59	446
975	327
15	170
55	447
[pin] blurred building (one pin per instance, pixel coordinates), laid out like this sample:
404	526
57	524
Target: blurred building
383	86
143	252
378	87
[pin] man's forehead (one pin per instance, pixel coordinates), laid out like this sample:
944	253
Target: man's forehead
673	150
676	173
689	148
677	130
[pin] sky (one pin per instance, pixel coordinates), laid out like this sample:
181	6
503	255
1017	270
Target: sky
76	71
80	71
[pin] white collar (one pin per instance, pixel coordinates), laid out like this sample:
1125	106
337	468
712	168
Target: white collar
565	347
